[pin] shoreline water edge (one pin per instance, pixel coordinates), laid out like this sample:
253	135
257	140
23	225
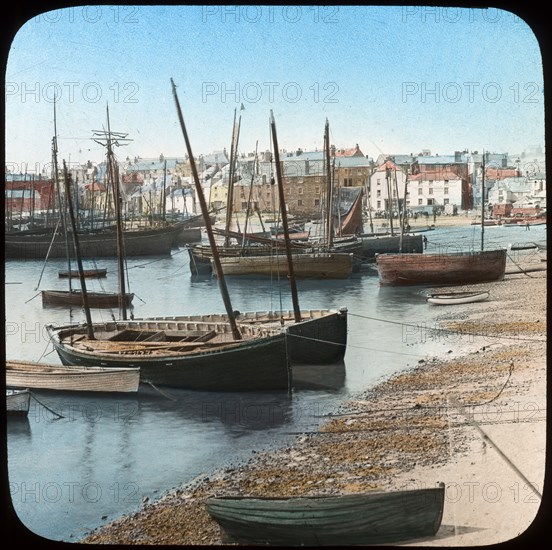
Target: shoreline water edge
475	422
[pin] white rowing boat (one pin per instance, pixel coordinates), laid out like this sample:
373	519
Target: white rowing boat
452	298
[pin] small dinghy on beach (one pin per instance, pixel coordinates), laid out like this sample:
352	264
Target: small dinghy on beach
451	298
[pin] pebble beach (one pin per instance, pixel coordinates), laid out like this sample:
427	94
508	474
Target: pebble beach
476	423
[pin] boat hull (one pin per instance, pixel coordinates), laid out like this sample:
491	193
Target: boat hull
320	337
305	266
258	362
20	374
370	518
431	269
88	273
18	402
94	244
390	244
457	298
74	298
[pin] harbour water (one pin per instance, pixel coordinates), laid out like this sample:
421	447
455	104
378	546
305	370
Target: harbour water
78	462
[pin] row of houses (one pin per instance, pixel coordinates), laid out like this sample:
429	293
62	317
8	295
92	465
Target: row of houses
448	183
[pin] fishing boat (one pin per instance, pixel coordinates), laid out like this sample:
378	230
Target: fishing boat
436	269
97	243
454	268
203	356
88	273
320	337
322	265
250	245
343	520
452	298
390	244
75	298
18	402
26	374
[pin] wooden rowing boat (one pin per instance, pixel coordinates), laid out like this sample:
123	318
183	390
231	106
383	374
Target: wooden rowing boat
451	298
88	273
18	402
74	298
25	374
344	520
441	269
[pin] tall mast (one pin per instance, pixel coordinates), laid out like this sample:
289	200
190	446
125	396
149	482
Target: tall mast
403	218
329	187
389	197
62	212
230	194
106	139
204	210
291	272
117	197
86	305
483	202
248	209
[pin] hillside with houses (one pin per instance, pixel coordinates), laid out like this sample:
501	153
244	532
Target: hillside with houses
424	183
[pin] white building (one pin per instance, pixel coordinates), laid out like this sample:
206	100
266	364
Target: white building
387	183
437	188
521	190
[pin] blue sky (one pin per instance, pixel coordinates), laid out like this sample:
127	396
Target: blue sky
392	79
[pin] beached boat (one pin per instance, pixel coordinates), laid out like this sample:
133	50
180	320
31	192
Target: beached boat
342	520
524	246
451	298
88	273
75	298
306	266
18	402
26	374
435	269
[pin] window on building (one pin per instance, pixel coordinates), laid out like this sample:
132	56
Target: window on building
378	205
378	193
316	202
244	205
299	202
317	190
300	191
430	202
430	192
420	191
446	182
445	201
420	202
430	182
378	181
445	190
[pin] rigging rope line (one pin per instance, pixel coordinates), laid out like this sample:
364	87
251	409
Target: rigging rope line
517	338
